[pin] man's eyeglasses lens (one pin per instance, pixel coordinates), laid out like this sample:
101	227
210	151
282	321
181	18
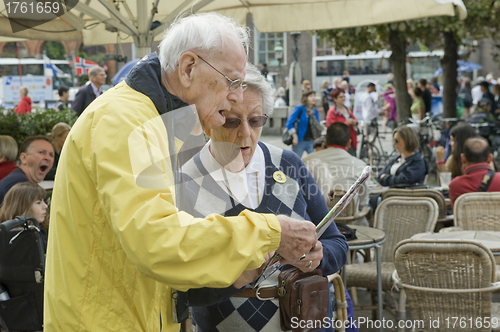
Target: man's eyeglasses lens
255	122
233	85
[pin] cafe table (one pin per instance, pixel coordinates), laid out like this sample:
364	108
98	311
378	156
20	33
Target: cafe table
490	239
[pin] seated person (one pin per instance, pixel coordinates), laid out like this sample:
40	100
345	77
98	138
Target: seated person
234	172
478	175
26	200
59	133
319	143
335	168
409	167
458	135
37	157
8	155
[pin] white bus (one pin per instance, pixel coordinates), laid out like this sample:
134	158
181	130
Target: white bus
372	66
37	67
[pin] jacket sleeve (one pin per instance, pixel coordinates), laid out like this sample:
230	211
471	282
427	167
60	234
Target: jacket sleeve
334	244
330	118
290	123
164	243
387	171
411	174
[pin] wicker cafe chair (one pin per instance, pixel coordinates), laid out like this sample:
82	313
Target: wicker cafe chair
340	299
400	218
478	211
444	279
350	214
431	193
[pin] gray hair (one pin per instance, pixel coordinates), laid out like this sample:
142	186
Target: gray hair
208	32
94	71
257	83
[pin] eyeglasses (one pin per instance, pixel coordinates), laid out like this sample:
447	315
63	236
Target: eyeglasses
233	84
254	122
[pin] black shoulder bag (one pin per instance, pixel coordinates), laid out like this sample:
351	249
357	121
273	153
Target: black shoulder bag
287	138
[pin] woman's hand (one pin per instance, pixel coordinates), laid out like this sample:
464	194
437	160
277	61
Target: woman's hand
295	139
351	122
311	261
382	176
440	153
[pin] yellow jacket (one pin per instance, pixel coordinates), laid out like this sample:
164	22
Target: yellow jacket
116	247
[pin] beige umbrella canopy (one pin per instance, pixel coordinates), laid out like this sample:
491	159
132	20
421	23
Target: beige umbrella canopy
142	22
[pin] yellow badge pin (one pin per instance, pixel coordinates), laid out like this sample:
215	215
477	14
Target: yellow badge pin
279	177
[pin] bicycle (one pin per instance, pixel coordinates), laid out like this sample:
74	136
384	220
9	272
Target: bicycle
369	152
425	130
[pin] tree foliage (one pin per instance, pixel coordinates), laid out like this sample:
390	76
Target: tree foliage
55	50
483	21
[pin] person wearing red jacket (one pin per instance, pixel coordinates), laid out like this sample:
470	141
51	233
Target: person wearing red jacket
340	113
24	105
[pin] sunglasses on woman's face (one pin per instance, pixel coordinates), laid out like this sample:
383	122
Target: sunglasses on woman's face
254	122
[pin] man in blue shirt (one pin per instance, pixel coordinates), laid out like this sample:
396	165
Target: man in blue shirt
37	157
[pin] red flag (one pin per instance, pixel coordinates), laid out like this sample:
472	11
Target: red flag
82	65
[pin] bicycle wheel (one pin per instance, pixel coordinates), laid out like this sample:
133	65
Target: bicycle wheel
370	154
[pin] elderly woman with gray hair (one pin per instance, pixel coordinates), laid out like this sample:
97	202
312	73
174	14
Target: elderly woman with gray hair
235	172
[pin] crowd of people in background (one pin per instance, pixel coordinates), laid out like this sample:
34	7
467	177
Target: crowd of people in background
85	95
468	154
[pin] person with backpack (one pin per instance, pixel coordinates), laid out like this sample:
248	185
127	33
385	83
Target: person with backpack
478	176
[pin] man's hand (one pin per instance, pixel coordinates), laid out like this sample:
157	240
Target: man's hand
249	276
298	237
295	139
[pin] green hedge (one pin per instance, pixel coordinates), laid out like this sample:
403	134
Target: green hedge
38	123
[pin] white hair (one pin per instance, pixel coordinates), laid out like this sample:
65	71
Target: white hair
207	32
257	83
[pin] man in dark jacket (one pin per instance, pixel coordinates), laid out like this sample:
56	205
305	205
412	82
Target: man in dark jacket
89	92
37	158
485	89
427	96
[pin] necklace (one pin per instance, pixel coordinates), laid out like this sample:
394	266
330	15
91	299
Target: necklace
257	183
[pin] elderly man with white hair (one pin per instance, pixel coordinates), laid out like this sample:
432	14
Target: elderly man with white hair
118	244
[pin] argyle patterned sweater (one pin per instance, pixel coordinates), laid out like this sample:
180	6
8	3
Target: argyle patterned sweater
299	197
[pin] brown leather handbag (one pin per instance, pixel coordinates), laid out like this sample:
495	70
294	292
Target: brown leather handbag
303	298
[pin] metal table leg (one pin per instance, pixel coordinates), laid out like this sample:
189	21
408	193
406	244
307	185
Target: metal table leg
379	285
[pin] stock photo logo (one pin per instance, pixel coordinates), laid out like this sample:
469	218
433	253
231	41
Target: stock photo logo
33	14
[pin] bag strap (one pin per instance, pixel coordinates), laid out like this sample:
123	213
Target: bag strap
300	114
487	179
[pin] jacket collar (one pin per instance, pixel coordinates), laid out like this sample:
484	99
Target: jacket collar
476	167
145	78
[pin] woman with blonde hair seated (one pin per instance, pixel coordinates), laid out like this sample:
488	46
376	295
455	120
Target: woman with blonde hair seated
408	168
